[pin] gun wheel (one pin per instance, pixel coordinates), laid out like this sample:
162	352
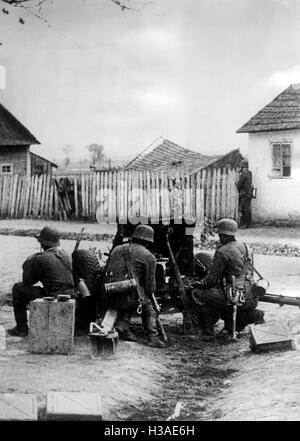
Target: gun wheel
85	266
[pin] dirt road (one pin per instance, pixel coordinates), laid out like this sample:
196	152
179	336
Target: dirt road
214	381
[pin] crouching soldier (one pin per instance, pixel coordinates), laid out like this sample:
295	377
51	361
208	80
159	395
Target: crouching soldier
52	267
231	271
135	261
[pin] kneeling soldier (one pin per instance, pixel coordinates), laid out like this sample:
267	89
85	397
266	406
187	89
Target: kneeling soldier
134	260
231	272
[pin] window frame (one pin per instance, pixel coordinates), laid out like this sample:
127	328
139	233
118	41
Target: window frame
6	164
277	172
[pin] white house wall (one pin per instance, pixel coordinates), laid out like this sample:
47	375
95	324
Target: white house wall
277	198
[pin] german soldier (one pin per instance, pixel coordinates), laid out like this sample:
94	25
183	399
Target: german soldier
244	186
52	267
231	272
144	264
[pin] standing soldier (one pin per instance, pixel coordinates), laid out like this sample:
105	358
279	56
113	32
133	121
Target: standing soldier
244	186
52	267
144	264
232	261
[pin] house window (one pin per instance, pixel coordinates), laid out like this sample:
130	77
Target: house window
6	169
281	159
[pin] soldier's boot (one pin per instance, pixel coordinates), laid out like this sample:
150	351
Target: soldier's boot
19	304
123	328
18	332
207	317
149	319
244	318
256	316
188	315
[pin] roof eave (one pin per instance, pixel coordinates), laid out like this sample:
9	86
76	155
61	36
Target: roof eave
272	129
16	143
219	158
44	159
36	142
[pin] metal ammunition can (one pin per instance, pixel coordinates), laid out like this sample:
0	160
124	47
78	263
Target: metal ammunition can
123	287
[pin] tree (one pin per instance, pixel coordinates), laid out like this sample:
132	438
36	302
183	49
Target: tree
123	4
67	149
97	155
34	7
30	5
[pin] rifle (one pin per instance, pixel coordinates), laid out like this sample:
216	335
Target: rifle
158	321
101	282
78	240
81	285
187	321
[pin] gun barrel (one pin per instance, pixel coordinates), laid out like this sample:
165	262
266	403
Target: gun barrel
280	299
78	240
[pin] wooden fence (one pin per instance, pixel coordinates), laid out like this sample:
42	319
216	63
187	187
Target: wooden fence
111	195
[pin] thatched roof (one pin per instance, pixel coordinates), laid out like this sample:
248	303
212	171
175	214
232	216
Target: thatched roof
283	113
12	132
170	156
232	159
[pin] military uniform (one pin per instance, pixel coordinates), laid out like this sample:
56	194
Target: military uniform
244	186
230	259
145	266
53	268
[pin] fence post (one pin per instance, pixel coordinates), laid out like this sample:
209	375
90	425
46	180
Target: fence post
31	196
236	198
213	195
218	193
18	196
233	194
13	195
209	186
5	196
43	189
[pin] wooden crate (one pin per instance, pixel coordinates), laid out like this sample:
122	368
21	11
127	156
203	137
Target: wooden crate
270	336
73	406
51	326
18	407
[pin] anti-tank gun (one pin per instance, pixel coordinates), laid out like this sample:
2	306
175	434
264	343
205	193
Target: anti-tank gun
176	264
279	299
174	251
260	290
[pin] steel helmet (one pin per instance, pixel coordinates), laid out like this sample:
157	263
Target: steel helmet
227	226
144	232
49	237
244	163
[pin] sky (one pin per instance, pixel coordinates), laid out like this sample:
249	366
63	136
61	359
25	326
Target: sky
190	71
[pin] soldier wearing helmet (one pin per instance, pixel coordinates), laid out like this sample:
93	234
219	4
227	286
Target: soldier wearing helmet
232	258
52	267
145	266
244	186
